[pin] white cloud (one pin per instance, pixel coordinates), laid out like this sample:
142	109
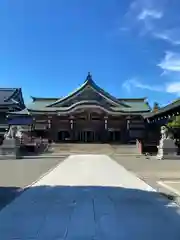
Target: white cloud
155	18
170	87
127	86
173	87
134	83
145	13
150	13
170	65
171	62
172	35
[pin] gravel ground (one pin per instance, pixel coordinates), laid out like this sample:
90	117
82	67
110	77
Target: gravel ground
15	175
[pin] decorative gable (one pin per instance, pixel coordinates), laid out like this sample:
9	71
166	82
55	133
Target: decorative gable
89	91
87	94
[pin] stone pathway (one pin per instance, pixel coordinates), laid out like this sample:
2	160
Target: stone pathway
90	197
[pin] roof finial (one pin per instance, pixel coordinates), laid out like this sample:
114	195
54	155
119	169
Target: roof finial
89	77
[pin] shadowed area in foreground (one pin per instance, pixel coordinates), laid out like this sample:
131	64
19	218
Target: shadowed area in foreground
8	194
88	212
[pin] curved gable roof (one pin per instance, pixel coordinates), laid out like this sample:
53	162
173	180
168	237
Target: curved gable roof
89	83
11	96
6	94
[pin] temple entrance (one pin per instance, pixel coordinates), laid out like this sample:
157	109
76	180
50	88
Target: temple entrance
40	133
63	136
88	136
114	136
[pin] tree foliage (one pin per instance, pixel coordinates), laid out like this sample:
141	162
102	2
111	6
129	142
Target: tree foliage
175	122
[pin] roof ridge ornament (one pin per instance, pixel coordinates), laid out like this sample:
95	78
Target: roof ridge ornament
89	77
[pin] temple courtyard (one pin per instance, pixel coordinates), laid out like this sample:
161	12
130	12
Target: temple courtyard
89	197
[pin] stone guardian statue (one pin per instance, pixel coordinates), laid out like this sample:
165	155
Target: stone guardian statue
167	148
12	141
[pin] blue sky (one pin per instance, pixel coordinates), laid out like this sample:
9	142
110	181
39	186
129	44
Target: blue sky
132	48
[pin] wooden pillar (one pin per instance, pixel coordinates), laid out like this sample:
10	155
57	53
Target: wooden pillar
72	128
127	130
105	132
85	136
50	134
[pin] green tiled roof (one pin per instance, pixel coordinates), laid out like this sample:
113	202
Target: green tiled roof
138	106
38	105
133	107
44	99
113	104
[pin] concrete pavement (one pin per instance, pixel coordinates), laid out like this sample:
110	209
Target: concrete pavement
90	197
17	174
153	171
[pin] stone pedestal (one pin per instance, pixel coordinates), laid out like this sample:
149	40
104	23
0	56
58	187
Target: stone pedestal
11	148
166	149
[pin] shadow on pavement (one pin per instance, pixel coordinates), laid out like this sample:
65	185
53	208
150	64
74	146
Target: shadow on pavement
168	196
7	194
89	212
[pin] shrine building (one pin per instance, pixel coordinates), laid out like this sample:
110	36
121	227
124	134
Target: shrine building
89	114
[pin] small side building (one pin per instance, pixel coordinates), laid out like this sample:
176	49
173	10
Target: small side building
162	115
155	119
11	100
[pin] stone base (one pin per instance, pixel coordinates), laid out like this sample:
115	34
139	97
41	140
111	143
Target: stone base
8	157
166	149
166	153
10	149
168	157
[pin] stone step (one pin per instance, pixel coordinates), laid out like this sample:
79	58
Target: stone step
64	155
94	148
7	156
47	156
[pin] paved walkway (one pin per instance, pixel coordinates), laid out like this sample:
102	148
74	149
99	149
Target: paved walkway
90	197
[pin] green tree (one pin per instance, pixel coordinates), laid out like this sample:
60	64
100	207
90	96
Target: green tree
175	122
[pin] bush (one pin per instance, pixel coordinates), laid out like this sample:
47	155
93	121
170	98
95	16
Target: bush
174	123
